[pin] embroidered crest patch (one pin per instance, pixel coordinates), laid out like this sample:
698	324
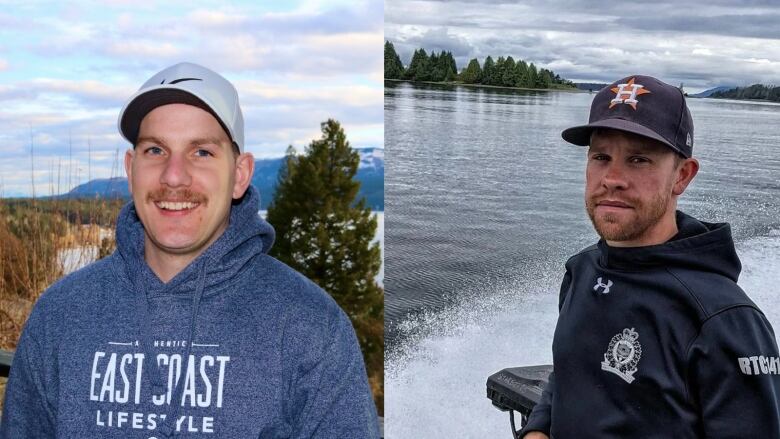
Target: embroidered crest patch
623	354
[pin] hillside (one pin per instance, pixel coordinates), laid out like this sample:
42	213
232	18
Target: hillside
371	174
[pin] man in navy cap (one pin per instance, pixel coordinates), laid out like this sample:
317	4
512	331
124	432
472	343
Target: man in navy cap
654	337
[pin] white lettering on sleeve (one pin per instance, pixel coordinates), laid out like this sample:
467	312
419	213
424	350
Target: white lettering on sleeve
764	366
759	365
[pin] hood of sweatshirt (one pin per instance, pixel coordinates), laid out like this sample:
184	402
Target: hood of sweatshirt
246	236
697	246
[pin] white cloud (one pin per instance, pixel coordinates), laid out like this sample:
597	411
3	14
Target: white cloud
87	88
72	68
218	19
143	49
353	95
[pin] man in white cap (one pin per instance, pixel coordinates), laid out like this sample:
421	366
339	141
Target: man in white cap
189	328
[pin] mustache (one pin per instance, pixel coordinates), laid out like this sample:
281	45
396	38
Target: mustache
179	195
593	200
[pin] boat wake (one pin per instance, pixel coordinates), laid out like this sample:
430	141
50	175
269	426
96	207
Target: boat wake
435	380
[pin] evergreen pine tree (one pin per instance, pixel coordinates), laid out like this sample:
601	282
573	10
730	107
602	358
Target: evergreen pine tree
447	67
521	74
436	73
498	73
453	64
419	67
509	78
449	76
473	73
325	235
545	78
488	71
533	76
413	63
394	69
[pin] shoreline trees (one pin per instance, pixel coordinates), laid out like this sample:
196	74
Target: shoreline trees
441	67
752	92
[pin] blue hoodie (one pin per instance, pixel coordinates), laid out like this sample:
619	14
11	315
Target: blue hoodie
244	347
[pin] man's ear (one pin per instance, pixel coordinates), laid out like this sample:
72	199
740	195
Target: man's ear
245	167
685	173
129	168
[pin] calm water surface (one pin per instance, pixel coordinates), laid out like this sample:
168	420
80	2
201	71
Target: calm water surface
480	183
485	205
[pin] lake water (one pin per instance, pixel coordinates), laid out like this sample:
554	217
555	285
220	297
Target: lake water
485	205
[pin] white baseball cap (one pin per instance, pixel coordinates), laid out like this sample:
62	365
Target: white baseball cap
185	83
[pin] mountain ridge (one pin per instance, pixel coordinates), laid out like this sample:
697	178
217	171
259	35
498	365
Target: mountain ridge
707	93
370	174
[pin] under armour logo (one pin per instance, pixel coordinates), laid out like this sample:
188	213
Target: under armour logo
627	94
600	284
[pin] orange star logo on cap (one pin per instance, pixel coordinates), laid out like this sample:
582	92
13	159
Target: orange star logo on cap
627	93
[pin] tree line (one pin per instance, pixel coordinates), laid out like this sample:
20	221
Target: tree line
755	91
441	67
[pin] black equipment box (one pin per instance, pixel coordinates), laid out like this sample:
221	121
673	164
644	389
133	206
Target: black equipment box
518	388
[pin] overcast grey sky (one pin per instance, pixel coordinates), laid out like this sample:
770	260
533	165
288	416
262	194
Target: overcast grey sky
701	43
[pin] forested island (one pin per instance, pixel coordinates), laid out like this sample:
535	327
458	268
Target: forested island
752	92
441	67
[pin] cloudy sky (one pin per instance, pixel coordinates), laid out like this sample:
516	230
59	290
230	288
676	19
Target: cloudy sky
701	43
66	71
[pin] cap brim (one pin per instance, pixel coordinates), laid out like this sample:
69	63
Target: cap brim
580	135
141	105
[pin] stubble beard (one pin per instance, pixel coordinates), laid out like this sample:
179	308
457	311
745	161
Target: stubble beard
646	215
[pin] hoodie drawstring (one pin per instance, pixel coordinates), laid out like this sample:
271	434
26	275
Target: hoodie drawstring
144	327
167	428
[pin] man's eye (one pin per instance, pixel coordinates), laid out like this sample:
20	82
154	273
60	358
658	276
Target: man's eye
203	153
639	159
153	150
599	157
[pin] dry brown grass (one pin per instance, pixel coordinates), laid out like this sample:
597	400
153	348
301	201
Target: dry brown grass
35	238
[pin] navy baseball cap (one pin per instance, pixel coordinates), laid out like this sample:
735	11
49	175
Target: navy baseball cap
639	105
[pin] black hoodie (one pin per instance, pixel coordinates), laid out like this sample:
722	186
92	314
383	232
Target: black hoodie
660	342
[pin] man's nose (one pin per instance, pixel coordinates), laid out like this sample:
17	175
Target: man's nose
176	172
615	176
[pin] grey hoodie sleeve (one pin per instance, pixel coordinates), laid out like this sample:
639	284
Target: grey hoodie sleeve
27	411
733	375
331	397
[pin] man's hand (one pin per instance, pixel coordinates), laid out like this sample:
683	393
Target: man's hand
536	435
